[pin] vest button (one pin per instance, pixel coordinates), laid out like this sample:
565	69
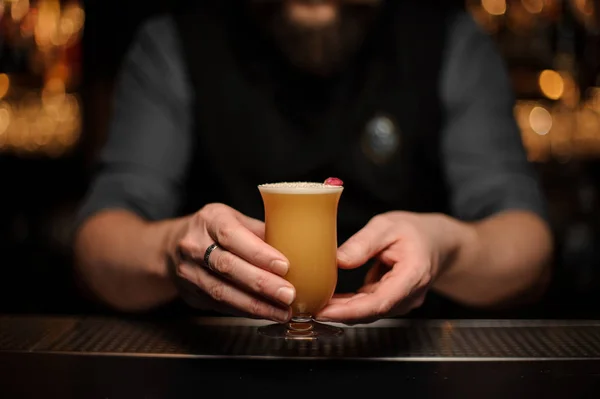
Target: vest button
381	139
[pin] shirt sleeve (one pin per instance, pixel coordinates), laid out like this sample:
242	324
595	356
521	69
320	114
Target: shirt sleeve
144	162
483	155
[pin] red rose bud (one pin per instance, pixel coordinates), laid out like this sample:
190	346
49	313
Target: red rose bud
334	181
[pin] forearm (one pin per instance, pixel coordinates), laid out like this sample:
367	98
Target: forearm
502	260
123	259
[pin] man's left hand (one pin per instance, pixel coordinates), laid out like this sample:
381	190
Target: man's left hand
408	253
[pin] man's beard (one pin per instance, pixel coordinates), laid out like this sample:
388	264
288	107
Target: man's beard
320	50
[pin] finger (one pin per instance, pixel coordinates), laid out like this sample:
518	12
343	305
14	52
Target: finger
415	300
372	275
412	302
375	305
226	229
251	278
225	293
193	296
343	298
375	275
221	224
345	295
254	225
376	272
372	287
365	244
196	298
368	288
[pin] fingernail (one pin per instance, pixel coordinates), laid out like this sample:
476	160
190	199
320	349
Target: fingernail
281	315
286	295
343	256
280	267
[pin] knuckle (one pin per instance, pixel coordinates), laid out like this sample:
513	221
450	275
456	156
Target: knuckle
223	233
360	244
224	263
257	255
384	307
217	292
197	223
204	215
210	211
185	276
419	301
201	215
209	208
186	246
256	307
426	280
260	283
382	221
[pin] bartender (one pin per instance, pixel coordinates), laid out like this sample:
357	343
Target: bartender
408	102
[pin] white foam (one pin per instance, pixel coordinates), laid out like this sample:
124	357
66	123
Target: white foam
299	188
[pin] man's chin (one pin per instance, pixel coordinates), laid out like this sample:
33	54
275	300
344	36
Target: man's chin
316	37
316	51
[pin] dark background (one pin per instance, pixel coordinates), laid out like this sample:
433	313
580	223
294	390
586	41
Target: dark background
39	195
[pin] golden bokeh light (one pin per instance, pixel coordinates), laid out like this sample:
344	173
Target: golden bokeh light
551	84
494	7
54	90
19	9
533	6
75	15
4	84
47	22
4	118
45	120
585	7
540	120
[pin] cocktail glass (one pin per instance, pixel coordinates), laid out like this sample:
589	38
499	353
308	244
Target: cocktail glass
301	222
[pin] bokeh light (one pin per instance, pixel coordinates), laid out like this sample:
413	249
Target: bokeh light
494	7
533	6
45	120
551	84
540	120
4	84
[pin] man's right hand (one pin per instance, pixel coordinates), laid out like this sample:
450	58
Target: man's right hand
244	275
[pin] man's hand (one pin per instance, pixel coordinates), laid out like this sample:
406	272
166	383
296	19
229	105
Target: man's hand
408	251
503	260
244	275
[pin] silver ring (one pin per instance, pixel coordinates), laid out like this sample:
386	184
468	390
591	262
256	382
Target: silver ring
209	250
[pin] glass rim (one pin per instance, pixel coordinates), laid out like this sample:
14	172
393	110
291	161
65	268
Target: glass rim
299	188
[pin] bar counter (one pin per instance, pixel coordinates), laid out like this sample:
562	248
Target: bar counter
91	357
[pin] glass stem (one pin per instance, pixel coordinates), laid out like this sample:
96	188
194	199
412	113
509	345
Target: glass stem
301	323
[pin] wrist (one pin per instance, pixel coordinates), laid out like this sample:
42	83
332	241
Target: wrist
452	240
164	235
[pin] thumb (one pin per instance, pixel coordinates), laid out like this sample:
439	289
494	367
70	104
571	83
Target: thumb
363	246
350	256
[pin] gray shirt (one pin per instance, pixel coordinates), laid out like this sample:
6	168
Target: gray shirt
146	158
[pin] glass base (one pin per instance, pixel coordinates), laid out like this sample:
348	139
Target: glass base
301	330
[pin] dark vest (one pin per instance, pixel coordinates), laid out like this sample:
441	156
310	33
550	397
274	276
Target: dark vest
375	125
